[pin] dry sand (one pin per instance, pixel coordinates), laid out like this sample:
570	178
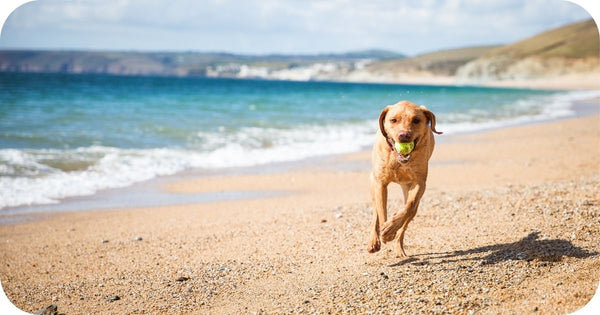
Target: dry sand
509	224
574	81
579	81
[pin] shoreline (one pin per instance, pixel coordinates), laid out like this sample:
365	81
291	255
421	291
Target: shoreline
560	83
150	192
497	230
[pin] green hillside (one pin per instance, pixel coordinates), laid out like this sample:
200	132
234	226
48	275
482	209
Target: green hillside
568	50
443	62
578	40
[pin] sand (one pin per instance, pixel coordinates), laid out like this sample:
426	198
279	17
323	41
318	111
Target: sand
578	81
573	81
509	224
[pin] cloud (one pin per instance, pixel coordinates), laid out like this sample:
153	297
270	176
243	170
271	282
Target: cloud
269	26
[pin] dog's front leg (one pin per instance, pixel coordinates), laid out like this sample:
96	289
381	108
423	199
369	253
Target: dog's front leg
379	198
415	192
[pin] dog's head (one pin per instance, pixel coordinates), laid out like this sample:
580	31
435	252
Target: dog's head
406	122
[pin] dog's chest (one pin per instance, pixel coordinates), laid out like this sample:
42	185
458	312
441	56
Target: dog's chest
403	173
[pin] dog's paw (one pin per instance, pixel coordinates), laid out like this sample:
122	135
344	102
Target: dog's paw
388	232
400	253
374	246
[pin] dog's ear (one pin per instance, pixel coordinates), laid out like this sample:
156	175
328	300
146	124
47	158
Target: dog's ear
431	118
381	121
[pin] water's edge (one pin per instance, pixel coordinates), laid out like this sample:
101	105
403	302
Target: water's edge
150	193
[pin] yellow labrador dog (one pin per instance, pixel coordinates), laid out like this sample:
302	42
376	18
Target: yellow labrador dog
403	122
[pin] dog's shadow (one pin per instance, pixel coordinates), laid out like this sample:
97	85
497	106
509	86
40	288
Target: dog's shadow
527	249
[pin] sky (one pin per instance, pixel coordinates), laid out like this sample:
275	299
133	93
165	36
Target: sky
280	26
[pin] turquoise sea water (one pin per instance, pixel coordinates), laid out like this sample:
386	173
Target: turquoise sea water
70	135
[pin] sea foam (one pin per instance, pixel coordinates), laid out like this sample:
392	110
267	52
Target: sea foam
26	180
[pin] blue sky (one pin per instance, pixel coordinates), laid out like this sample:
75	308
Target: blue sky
278	26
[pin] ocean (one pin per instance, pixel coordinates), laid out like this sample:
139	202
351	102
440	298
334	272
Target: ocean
64	135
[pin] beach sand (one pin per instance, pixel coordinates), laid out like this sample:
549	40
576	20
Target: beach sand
579	81
509	224
574	81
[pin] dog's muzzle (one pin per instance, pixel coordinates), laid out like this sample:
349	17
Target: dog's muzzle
403	158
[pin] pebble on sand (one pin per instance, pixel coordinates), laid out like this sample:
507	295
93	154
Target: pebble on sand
112	298
48	310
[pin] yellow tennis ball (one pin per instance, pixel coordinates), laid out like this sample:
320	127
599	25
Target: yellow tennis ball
404	148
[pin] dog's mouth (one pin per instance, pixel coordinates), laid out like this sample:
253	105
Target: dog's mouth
404	157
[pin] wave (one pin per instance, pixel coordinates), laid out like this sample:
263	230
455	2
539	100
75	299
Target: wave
523	111
30	177
45	176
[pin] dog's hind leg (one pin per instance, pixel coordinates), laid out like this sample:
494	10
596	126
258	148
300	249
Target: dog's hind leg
400	242
390	228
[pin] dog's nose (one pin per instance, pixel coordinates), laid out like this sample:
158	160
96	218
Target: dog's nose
405	136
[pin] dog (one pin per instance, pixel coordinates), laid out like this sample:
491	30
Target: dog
402	122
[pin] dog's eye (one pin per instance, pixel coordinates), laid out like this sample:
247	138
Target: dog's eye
416	121
393	120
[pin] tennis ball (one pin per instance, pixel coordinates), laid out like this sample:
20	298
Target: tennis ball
404	148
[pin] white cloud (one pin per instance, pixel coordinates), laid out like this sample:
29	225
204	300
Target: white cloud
266	26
